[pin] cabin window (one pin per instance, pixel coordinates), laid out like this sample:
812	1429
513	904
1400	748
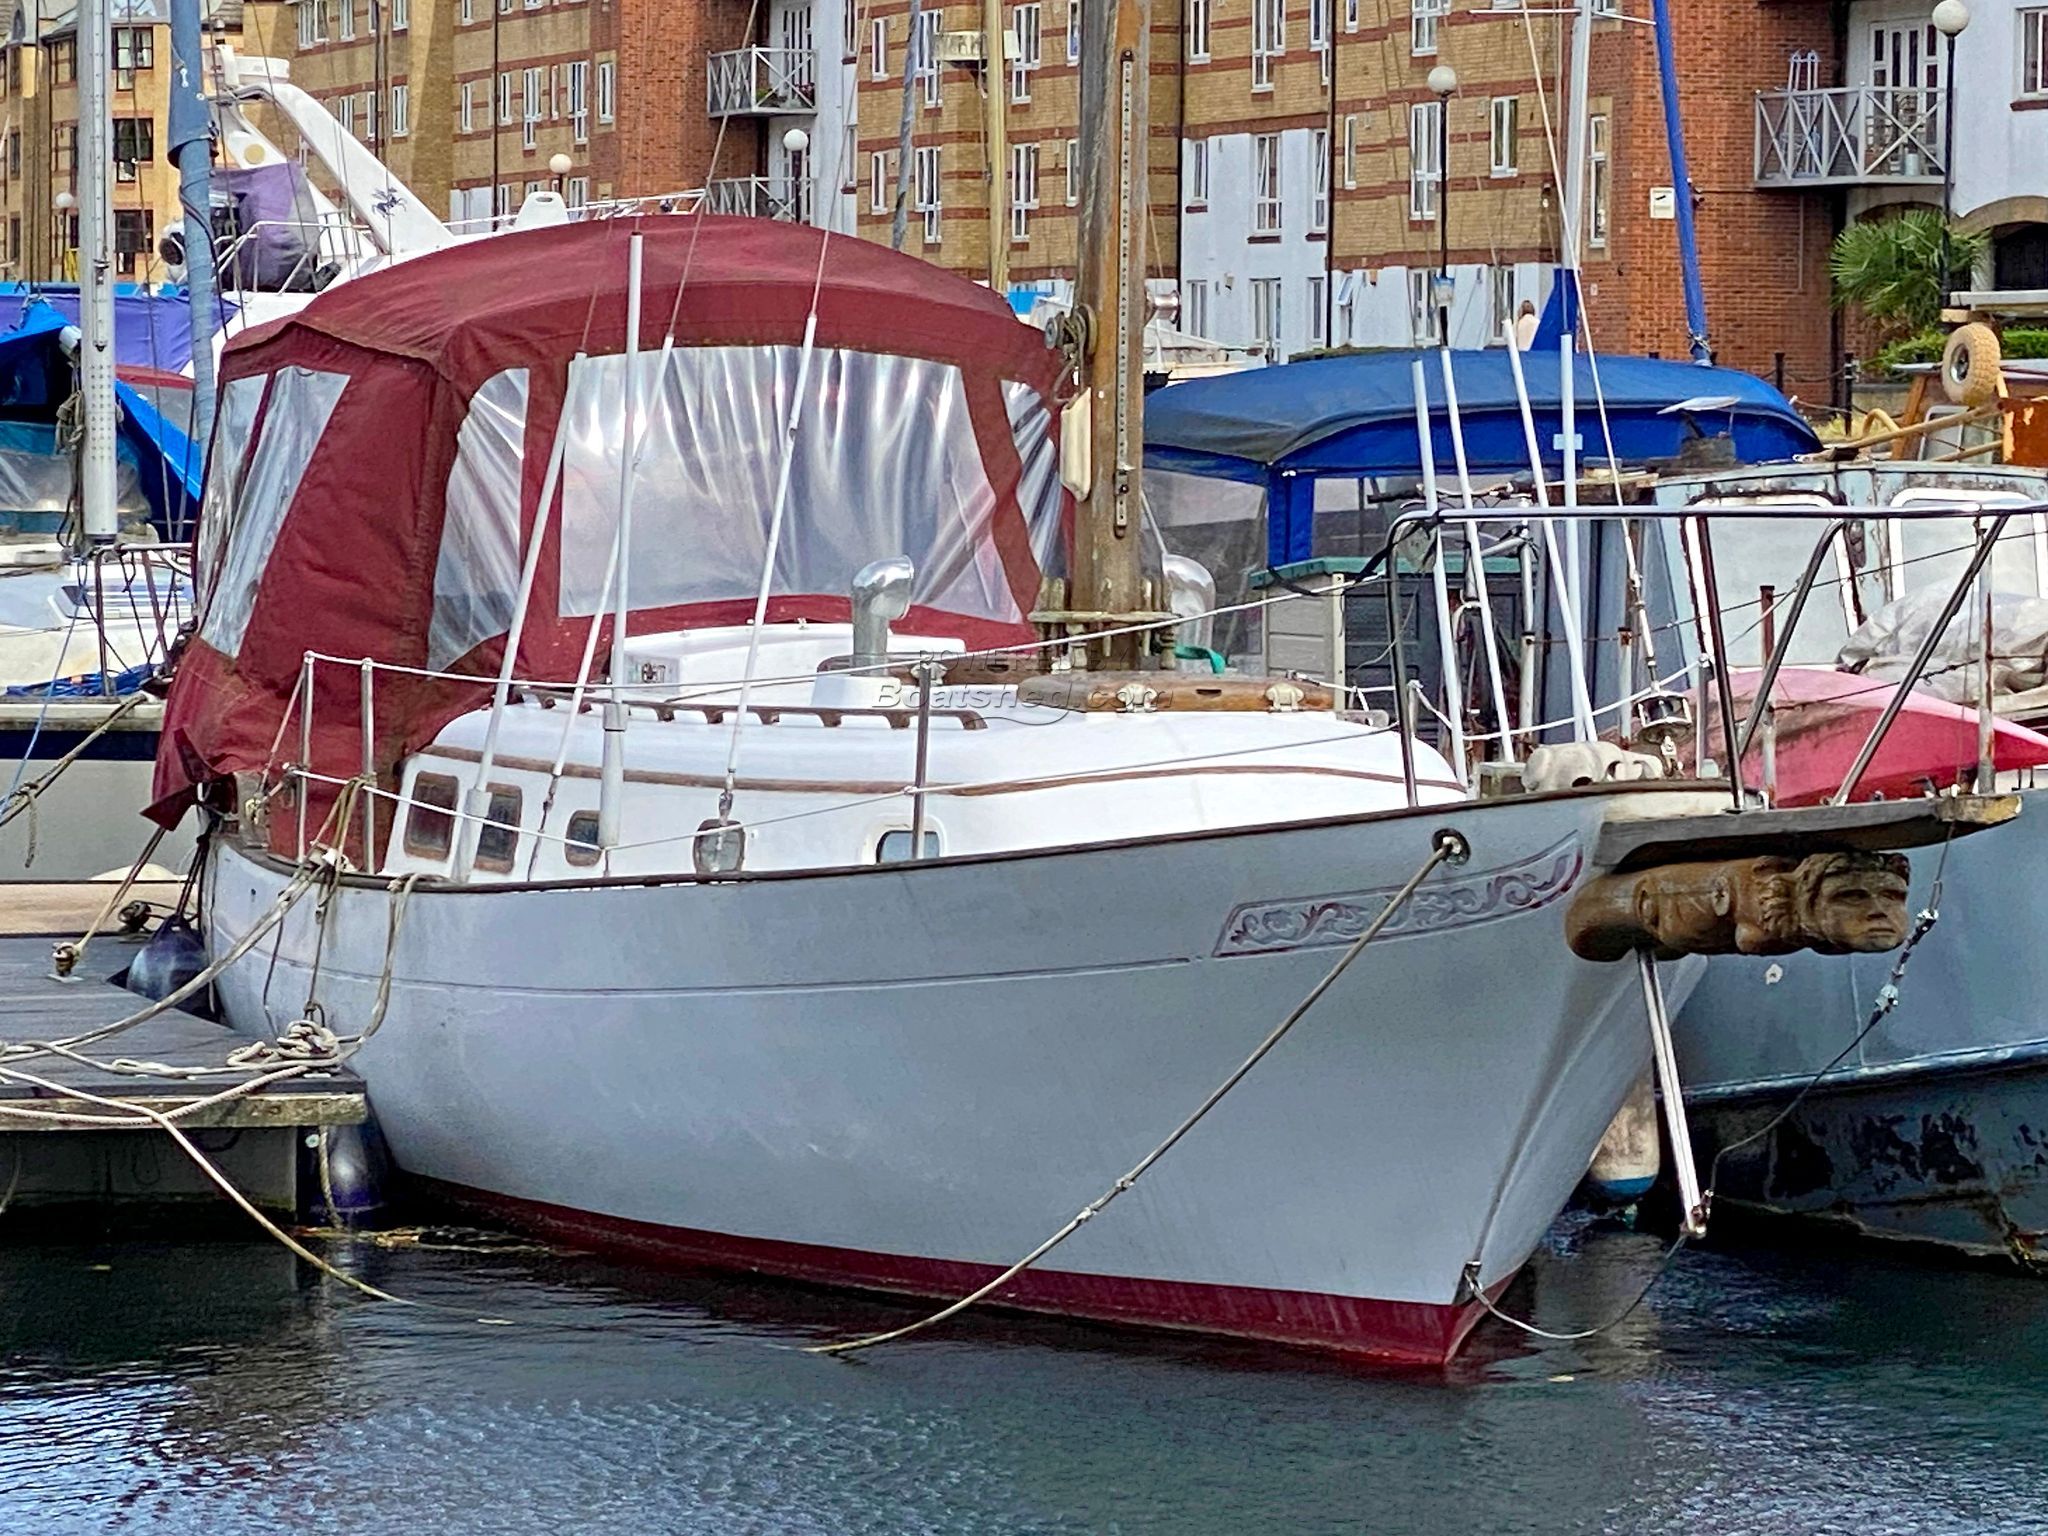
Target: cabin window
430	823
894	846
581	847
498	838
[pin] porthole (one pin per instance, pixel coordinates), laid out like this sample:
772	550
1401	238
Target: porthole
581	847
894	847
430	822
498	838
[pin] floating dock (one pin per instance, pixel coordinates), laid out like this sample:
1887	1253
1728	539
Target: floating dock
255	1139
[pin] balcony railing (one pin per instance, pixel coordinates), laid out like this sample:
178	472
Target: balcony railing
760	197
762	82
1852	135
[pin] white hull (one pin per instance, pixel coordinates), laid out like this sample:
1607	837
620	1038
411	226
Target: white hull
905	1076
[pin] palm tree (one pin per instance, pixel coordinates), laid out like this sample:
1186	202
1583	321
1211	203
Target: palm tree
1891	269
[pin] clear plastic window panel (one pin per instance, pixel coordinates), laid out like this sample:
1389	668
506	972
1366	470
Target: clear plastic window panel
885	463
301	402
476	578
239	399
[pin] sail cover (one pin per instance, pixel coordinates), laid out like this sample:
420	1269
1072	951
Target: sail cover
379	459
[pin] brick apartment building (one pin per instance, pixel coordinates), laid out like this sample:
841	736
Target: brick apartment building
39	67
1293	145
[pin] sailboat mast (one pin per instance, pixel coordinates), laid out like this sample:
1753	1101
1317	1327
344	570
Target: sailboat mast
192	149
96	270
1109	295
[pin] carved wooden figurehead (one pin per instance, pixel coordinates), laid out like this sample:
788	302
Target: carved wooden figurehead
1833	903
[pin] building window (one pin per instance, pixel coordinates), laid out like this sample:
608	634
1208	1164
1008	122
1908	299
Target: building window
1195	307
1198	173
468	11
607	94
1319	33
134	144
1269	40
925	51
529	103
799	47
1028	55
1421	313
312	23
1318	309
1073	172
1198	29
1506	118
348	20
468	110
878	49
1319	181
579	99
927	179
1500	290
401	15
1350	15
501	199
1597	176
1266	313
849	158
1350	149
878	182
1424	174
2034	53
505	99
1074	31
373	114
345	112
401	111
1346	327
577	194
1423	19
1266	184
134	48
1023	189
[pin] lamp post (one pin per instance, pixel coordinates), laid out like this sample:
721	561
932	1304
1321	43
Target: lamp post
796	144
1443	82
559	166
1949	18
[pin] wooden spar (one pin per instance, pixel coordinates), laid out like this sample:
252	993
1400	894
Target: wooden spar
1109	299
995	96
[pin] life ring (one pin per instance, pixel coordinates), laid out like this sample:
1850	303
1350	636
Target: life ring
1970	365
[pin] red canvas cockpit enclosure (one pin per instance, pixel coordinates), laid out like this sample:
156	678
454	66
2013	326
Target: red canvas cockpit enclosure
379	460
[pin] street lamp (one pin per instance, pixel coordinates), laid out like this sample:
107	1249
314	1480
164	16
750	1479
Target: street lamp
1949	18
559	166
1443	82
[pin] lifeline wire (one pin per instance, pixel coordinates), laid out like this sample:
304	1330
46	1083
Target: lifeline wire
1445	846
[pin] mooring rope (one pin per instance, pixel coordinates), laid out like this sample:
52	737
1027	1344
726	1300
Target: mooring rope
1446	846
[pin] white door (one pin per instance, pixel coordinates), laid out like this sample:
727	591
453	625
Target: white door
1902	129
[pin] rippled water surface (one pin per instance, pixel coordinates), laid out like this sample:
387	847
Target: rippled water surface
212	1388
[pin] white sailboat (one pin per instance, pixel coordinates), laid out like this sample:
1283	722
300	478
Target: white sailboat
848	939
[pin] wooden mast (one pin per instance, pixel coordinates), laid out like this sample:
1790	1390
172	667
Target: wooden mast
1109	301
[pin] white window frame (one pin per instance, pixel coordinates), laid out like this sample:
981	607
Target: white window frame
401	109
1269	40
348	20
1198	174
1425	19
345	112
1073	31
878	48
1319	181
1425	176
576	192
1267	212
1030	51
925	53
312	23
1023	191
1073	171
930	192
501	199
1351	8
1318	310
468	12
879	181
849	158
1195	306
1350	150
1504	134
2032	49
579	100
1500	289
1198	31
1319	34
1268	313
1422	313
1599	179
607	90
504	98
401	15
467	108
529	105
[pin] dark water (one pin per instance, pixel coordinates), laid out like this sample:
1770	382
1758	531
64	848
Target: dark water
209	1388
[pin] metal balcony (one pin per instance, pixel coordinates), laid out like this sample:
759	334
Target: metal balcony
760	197
1849	136
763	82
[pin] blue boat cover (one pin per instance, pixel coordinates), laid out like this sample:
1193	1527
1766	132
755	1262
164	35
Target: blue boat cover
1355	415
151	333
